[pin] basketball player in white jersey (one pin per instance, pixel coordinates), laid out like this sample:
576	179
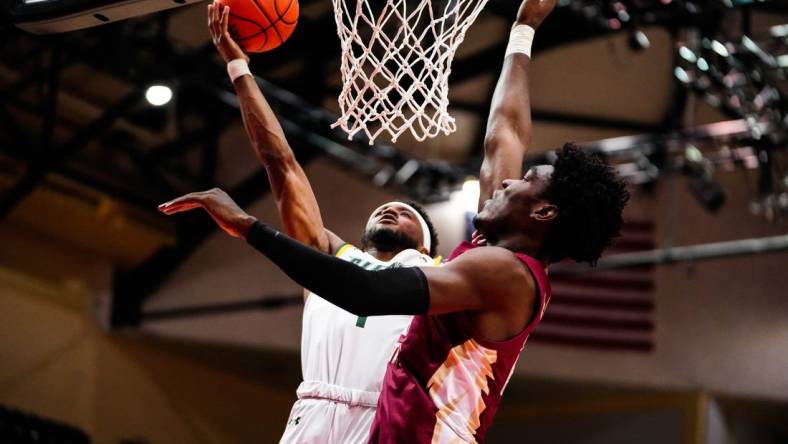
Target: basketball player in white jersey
343	357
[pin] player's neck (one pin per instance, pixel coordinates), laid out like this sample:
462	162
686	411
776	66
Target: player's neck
519	244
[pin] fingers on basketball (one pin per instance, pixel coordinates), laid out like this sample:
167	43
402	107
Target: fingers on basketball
224	18
212	20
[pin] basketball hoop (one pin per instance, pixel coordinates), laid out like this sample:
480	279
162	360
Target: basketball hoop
396	61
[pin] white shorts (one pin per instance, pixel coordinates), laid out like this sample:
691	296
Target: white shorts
327	414
323	421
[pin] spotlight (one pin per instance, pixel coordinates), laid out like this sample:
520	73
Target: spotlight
681	74
687	54
638	40
158	95
719	48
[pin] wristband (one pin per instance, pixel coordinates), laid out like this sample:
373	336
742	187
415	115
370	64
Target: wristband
237	68
520	40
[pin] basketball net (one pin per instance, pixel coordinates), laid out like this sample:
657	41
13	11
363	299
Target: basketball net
396	61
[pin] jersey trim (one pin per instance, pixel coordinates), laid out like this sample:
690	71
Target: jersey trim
343	249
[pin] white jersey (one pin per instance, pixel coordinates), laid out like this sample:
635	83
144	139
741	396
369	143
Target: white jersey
344	358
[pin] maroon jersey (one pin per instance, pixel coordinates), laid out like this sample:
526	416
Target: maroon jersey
444	382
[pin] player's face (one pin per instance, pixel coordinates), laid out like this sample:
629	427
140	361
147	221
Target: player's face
516	197
398	219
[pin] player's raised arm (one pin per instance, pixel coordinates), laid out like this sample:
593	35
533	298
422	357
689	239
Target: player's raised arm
509	124
298	208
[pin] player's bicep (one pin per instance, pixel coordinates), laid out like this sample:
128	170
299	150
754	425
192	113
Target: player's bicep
450	291
482	279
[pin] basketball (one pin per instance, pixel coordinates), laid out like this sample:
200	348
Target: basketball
261	25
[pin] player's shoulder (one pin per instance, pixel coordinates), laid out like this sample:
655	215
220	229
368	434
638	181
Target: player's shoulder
500	272
492	263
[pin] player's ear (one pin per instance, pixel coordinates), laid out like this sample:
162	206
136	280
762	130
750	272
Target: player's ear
423	250
545	212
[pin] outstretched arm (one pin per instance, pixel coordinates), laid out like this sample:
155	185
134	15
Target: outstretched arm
486	279
295	199
508	134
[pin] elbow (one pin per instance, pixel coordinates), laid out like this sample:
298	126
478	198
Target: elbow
496	140
491	143
505	137
499	129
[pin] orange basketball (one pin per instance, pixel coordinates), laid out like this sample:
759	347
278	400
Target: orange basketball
261	25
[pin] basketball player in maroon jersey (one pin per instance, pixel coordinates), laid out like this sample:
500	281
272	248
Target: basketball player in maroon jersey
473	315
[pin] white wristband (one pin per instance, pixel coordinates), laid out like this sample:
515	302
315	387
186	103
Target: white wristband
237	68
520	40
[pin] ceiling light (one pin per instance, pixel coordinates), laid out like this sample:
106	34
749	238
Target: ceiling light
158	95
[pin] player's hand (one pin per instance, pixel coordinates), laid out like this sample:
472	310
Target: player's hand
533	12
221	207
218	17
478	238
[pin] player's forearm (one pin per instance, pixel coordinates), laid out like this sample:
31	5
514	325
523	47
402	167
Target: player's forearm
359	291
510	110
295	200
262	127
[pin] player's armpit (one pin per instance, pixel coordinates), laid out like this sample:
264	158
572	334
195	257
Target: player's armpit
482	279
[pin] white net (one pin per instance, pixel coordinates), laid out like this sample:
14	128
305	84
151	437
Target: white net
396	61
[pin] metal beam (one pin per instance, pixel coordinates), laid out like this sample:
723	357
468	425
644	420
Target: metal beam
673	255
594	121
730	130
38	169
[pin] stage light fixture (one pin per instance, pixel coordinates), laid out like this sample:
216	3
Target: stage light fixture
681	74
638	40
687	54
